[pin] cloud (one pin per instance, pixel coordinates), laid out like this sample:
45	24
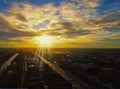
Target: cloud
6	1
80	10
8	30
113	36
110	17
29	18
70	20
20	17
109	22
70	29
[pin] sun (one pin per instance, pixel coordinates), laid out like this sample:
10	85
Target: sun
45	40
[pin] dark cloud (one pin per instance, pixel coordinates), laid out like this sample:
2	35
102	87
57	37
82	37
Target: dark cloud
4	24
54	33
11	40
110	18
67	25
7	30
70	29
78	33
115	36
21	17
15	34
62	25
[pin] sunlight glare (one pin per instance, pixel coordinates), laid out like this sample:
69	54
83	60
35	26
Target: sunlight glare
45	40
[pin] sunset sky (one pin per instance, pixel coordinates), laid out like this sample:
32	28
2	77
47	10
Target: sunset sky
70	23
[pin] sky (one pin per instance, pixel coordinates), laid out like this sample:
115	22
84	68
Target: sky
71	23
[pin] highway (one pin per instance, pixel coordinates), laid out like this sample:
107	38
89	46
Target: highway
73	80
76	83
8	62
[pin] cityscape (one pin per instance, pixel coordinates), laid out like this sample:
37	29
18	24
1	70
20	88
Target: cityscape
68	69
59	44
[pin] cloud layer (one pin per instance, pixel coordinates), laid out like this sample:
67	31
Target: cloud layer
73	21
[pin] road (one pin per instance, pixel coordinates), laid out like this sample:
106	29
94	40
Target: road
64	74
8	63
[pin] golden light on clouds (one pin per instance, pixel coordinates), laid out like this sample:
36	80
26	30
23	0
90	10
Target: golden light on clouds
73	23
